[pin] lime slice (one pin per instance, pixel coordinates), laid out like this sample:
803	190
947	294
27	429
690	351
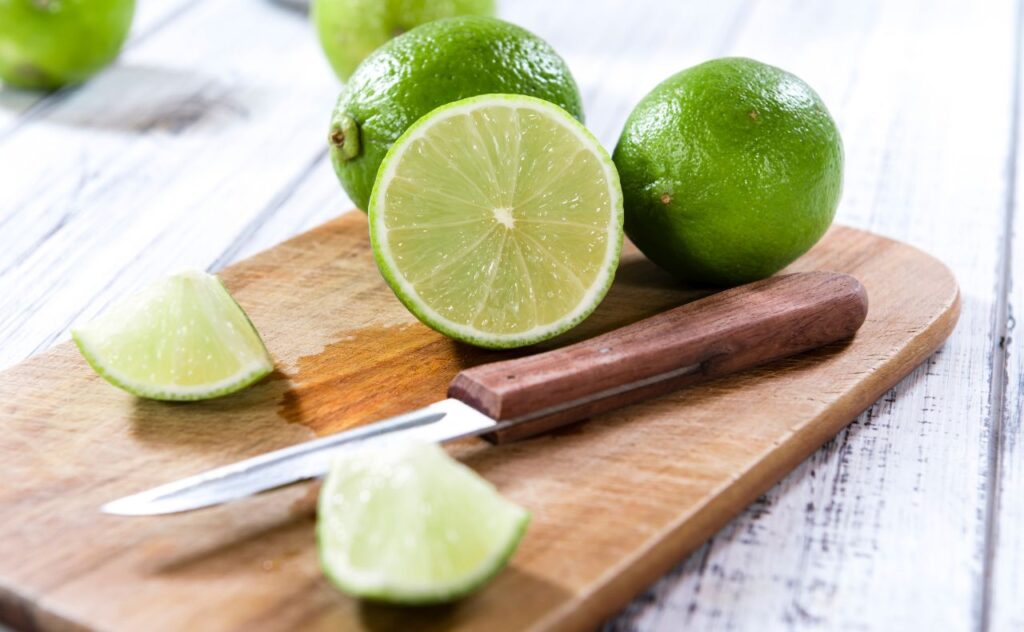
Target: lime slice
405	523
182	338
497	220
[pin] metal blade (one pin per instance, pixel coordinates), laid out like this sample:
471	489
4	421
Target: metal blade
443	421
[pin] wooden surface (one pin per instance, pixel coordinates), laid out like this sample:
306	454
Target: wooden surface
615	501
204	144
724	333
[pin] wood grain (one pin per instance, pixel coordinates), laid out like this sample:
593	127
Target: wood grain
615	502
728	332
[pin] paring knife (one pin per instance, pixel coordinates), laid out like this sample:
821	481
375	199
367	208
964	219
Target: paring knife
726	332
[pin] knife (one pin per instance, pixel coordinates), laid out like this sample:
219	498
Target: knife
726	332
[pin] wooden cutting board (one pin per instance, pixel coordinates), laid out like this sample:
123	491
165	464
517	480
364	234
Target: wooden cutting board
616	501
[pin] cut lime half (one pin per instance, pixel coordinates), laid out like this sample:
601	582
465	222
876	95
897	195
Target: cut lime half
405	523
497	220
182	338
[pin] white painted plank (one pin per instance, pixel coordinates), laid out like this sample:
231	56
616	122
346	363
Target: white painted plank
150	16
884	528
313	200
157	165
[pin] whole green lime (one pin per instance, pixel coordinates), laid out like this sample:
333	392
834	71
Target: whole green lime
427	67
730	170
349	30
45	44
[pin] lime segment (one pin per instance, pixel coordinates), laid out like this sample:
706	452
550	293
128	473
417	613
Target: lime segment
497	220
182	338
405	523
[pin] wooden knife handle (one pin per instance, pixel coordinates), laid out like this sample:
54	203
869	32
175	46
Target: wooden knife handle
726	332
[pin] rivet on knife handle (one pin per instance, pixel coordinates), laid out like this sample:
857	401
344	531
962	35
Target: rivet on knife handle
726	332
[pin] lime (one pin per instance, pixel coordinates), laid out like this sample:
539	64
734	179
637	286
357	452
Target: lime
730	170
497	220
405	523
181	338
350	30
45	44
437	63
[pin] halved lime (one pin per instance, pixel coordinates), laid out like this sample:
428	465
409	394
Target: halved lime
405	523
182	338
497	220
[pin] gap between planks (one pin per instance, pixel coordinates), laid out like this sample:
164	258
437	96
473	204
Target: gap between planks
1000	339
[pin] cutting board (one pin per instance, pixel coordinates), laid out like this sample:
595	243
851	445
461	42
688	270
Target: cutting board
616	501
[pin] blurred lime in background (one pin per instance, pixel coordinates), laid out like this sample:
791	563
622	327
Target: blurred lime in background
350	30
434	64
46	44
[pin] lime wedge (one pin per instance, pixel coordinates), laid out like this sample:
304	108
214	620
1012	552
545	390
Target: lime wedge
405	523
497	220
182	338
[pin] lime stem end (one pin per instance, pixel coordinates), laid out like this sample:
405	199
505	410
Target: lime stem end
344	136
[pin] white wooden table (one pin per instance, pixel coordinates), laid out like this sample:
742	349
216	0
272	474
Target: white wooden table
206	143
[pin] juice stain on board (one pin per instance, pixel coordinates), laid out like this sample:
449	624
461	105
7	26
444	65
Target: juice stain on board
375	372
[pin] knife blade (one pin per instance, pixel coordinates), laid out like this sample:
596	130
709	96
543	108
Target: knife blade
508	400
440	422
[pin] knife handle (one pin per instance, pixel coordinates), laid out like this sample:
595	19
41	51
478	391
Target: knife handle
729	331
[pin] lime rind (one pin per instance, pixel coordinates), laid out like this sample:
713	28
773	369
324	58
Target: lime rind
343	524
407	294
249	376
423	595
137	321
